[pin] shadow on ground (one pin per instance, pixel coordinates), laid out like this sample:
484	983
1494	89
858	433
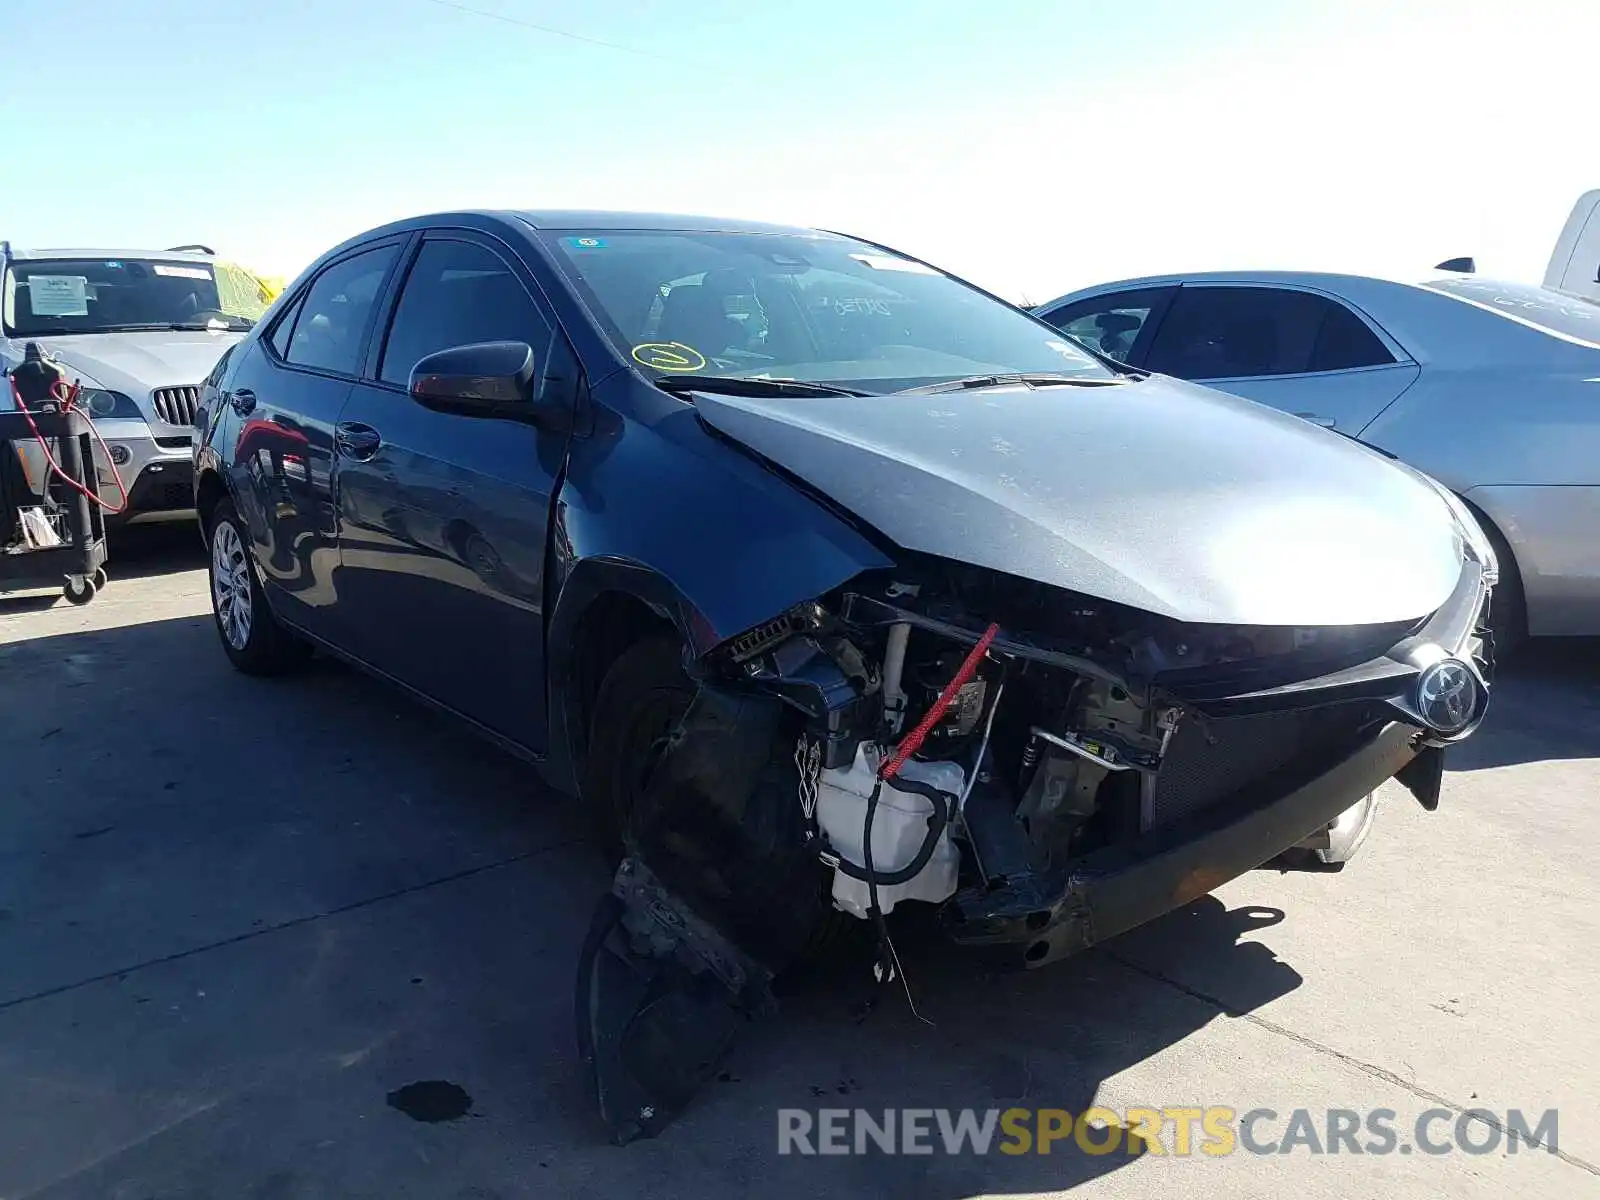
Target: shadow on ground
238	913
138	552
144	551
1546	705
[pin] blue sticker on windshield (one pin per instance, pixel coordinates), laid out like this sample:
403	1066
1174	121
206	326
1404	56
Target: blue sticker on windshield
587	243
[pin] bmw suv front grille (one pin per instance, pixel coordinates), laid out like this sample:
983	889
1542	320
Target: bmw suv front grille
176	405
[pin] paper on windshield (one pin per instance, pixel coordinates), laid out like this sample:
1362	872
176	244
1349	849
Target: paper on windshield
1068	351
59	295
888	262
181	272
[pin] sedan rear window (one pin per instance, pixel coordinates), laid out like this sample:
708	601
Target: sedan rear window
1573	318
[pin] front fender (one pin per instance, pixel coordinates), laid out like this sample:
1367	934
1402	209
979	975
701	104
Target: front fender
655	508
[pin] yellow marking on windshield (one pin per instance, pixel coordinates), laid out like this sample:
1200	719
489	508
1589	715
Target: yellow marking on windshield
669	356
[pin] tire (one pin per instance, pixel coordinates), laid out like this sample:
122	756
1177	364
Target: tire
251	637
642	699
1346	837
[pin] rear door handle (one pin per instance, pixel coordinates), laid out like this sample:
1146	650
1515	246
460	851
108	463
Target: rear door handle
356	440
1325	422
243	401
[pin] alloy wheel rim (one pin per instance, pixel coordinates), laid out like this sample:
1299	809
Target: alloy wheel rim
230	585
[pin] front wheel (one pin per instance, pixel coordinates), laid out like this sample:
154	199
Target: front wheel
779	882
251	637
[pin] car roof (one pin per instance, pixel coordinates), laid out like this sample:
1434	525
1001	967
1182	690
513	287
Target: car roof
581	218
1333	281
550	219
111	254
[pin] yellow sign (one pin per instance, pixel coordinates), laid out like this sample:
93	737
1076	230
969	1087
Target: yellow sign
669	356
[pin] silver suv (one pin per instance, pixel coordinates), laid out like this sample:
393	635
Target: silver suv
140	330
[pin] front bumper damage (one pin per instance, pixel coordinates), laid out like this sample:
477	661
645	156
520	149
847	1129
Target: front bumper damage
1039	919
1068	829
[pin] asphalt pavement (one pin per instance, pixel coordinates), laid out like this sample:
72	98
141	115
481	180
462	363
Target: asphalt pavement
268	940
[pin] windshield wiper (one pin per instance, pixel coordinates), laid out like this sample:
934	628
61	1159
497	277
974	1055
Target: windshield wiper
743	385
1031	378
232	324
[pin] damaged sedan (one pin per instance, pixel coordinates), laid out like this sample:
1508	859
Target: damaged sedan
834	586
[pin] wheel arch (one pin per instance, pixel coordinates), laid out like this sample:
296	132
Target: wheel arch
209	491
1505	557
603	608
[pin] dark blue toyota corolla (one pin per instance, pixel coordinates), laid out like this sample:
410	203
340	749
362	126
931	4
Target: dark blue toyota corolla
831	583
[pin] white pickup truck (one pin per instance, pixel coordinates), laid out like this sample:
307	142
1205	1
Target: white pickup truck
1575	262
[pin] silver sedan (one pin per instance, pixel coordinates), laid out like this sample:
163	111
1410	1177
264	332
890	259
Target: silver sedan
1492	388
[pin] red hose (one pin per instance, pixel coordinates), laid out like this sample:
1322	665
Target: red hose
66	395
913	740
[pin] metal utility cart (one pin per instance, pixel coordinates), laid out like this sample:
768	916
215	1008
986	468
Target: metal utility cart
77	562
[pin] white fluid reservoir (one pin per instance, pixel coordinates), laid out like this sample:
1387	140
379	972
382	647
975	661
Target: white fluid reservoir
899	828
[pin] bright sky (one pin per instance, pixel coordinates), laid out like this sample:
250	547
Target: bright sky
1033	146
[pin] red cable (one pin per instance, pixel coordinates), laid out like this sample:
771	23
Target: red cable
913	740
67	397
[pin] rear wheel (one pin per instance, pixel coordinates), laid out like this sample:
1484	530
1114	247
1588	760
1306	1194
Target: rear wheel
251	637
641	702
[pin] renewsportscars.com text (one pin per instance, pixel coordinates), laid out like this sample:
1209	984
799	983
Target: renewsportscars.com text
1183	1131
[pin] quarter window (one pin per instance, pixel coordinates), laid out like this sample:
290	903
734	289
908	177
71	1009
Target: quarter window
1243	332
284	329
1345	342
333	318
458	293
1112	323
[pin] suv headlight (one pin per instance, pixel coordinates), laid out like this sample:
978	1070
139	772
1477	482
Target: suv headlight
101	404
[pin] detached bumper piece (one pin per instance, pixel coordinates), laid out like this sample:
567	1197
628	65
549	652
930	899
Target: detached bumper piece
1045	916
670	969
661	995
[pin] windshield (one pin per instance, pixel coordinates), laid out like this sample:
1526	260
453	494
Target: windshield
61	296
1561	313
811	307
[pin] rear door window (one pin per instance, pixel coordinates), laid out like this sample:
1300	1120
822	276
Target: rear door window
1248	332
333	320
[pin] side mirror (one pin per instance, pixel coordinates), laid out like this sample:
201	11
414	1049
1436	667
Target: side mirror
484	379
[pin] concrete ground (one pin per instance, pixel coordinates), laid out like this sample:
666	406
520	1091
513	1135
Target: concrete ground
236	915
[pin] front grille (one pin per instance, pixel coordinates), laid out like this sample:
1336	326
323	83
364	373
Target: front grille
1209	761
176	405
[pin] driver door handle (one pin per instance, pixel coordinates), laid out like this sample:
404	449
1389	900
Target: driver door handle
1325	422
356	440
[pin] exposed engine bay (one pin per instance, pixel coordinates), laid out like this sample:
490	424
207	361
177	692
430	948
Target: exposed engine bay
882	746
1024	749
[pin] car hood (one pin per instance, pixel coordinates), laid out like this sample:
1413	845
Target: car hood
1156	494
138	361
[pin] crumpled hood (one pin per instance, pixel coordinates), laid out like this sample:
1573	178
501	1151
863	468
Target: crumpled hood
138	361
1157	494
